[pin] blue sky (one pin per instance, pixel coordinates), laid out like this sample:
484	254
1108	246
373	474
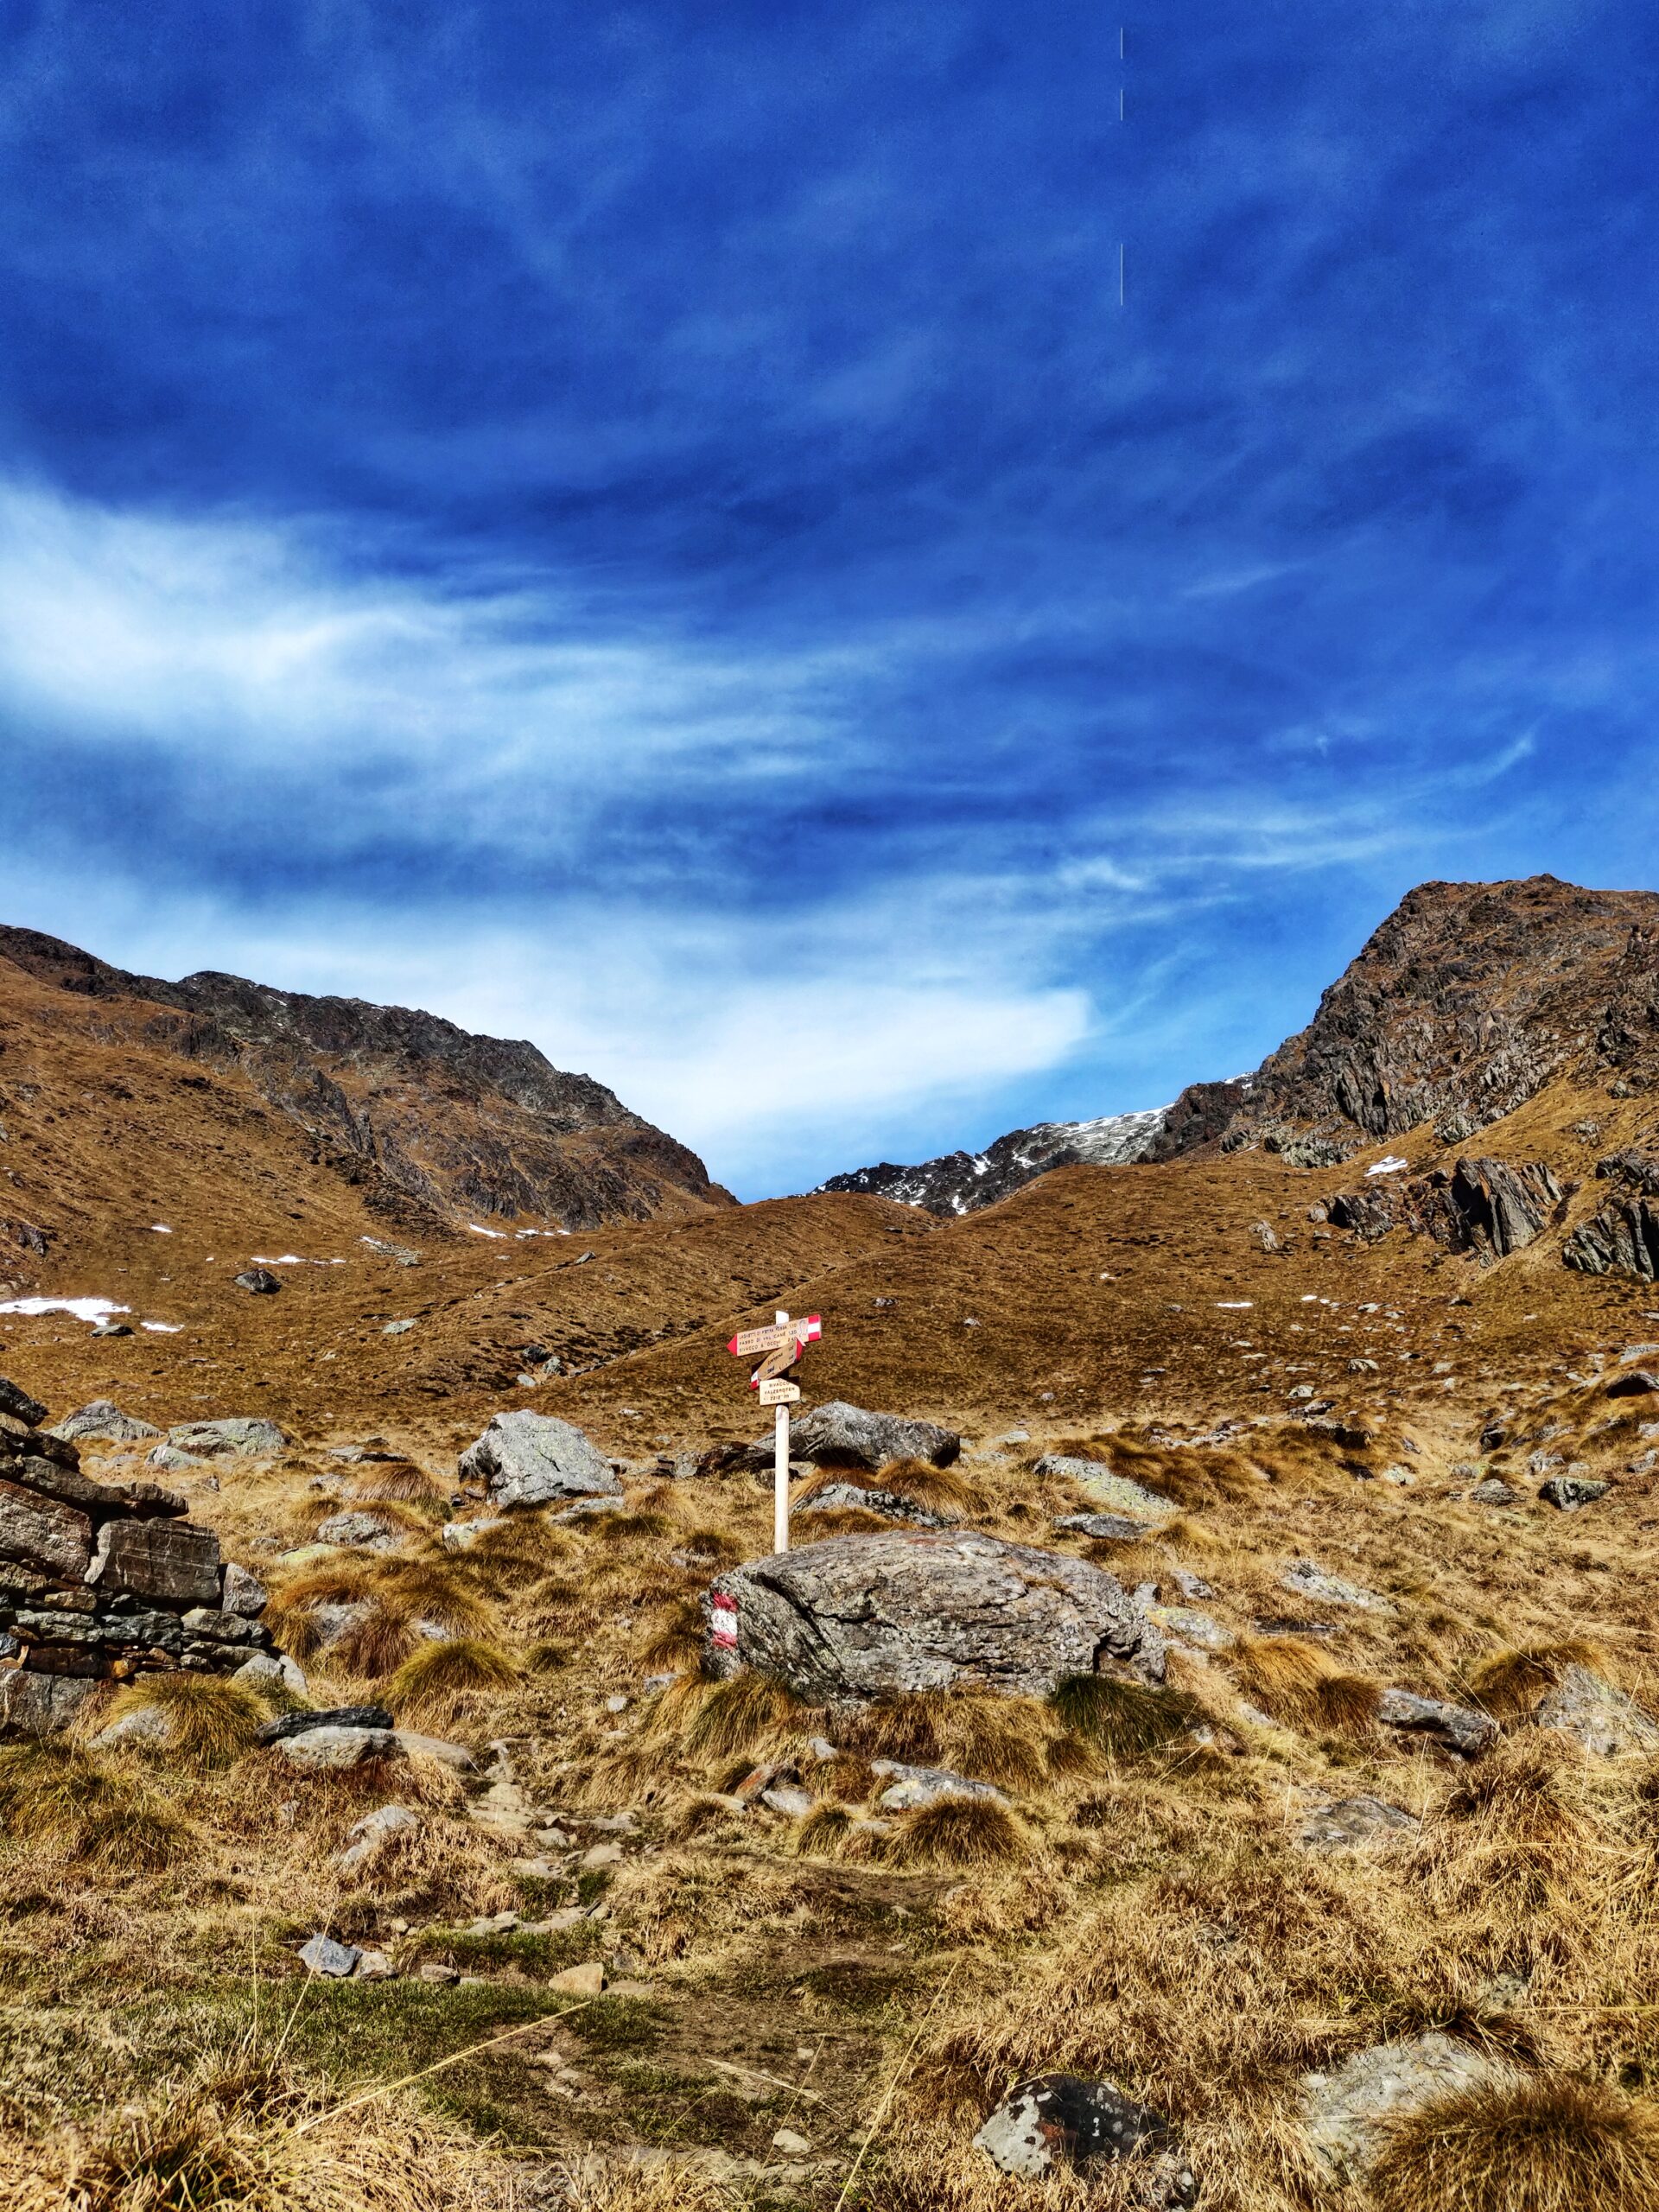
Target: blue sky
651	529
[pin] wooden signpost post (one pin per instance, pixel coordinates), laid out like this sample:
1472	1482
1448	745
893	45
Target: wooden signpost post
781	1345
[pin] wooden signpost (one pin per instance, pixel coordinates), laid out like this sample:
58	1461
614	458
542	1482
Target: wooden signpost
781	1345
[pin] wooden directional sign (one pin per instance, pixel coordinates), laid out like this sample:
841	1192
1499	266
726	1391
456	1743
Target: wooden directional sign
805	1331
775	1391
776	1362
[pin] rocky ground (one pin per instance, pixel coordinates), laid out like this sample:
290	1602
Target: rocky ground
1203	1747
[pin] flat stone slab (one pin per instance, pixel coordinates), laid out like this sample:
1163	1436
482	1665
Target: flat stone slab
1355	1821
909	1786
240	1436
322	1751
1347	2112
104	1420
43	1531
1114	1493
862	1616
1598	1717
171	1561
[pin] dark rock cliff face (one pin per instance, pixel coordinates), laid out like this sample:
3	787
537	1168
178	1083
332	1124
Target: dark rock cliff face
1492	1207
431	1118
1462	1006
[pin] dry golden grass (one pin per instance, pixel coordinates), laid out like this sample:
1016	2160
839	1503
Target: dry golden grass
240	2133
714	1722
956	1831
1510	1683
403	1484
1296	1681
661	2185
1549	2144
1124	1720
433	1679
75	1807
208	1718
975	1732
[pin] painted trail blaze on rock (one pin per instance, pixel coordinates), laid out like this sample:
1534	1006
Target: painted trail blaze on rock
864	1616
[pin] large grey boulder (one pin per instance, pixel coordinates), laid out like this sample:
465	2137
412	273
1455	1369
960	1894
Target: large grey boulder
864	1616
525	1458
104	1420
239	1436
840	1436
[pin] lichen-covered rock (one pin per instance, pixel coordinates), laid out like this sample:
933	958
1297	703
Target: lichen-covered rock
1305	1577
40	1705
1354	1820
857	1497
910	1786
367	1532
1595	1715
864	1616
1111	1492
840	1436
239	1436
1455	1727
1569	1493
1065	2122
524	1459
1347	2111
242	1591
104	1420
324	1751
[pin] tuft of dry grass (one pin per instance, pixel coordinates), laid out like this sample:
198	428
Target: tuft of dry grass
57	1796
664	2185
208	1718
1508	1683
977	1732
677	1640
1298	1683
713	1721
1546	2144
238	2133
439	1674
401	1484
956	1831
1124	1720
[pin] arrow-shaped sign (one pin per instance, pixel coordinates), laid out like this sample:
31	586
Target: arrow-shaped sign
806	1330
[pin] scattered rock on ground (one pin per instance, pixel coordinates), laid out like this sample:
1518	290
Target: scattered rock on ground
16	1401
104	1420
1354	1820
1455	1727
1057	2123
580	1981
327	1749
909	1786
259	1280
1114	1493
274	1667
237	1436
861	1617
837	1497
336	1716
1347	2110
840	1436
1596	1715
1104	1528
1494	1492
323	1955
525	1458
1304	1578
360	1531
1567	1493
462	1536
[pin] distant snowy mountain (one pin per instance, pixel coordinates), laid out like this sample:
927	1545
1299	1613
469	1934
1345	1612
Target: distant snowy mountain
962	1181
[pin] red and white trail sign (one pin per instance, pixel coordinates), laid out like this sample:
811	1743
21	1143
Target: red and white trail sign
782	1344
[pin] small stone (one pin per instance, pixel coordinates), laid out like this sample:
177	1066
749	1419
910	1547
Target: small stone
104	1420
462	1536
396	1328
1348	2111
1494	1492
373	1966
328	1750
580	1981
1598	1717
1104	1528
1456	1727
601	1854
788	1798
1058	2121
273	1668
259	1280
334	1716
434	1970
616	1702
1354	1820
239	1436
368	1532
149	1725
791	2144
1567	1493
367	1837
323	1955
1304	1579
456	1757
910	1786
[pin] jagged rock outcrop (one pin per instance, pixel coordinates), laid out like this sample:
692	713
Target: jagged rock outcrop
525	1458
99	1581
961	1182
428	1115
1493	1207
1622	1238
866	1617
1459	1007
836	1435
